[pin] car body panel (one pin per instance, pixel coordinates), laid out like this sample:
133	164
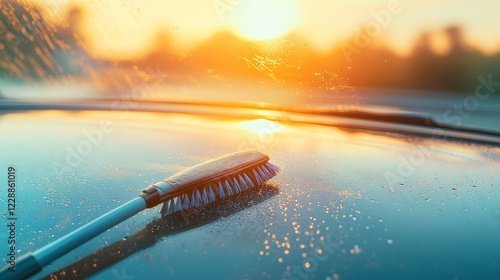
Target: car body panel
352	203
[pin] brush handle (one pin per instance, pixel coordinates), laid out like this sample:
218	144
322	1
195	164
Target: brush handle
31	263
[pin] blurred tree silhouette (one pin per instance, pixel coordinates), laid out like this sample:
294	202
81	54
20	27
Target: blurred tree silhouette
37	45
289	61
421	61
455	71
451	73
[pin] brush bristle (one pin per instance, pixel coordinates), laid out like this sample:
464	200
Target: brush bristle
224	187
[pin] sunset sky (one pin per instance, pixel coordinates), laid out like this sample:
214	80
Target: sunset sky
125	28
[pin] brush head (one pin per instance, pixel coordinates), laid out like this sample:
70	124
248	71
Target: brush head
214	179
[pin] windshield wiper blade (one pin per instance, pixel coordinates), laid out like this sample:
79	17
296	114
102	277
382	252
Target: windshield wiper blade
412	119
402	122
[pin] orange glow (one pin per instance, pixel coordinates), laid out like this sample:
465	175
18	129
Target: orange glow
118	28
440	44
307	47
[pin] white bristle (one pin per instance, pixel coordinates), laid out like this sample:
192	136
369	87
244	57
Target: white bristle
164	208
257	177
243	184
198	198
273	167
185	202
268	171
248	180
262	173
211	194
227	186
236	186
193	199
171	207
204	196
177	204
221	191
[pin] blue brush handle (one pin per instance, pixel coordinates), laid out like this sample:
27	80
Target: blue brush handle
31	263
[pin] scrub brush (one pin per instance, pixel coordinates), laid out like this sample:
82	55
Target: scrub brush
194	187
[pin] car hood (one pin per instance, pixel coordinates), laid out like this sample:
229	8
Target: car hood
350	203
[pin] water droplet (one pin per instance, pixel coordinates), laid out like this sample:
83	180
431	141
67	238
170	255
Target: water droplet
390	241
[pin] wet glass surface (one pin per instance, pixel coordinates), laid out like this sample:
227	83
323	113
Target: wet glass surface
350	204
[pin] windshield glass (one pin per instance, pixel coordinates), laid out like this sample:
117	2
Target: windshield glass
389	56
189	49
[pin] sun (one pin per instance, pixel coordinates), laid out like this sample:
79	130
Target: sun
266	19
